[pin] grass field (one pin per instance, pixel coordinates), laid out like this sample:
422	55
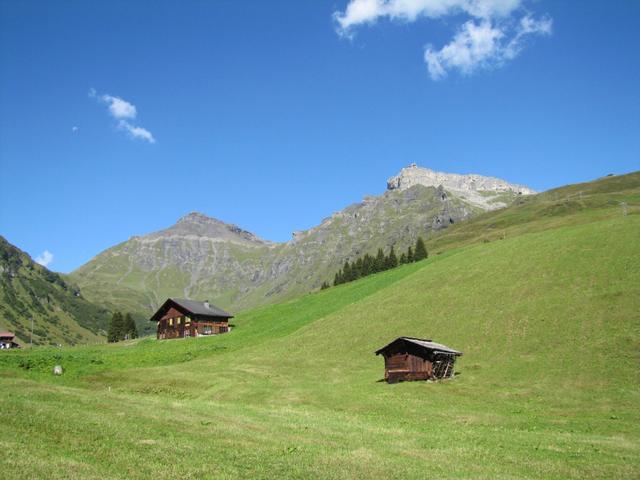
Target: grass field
548	319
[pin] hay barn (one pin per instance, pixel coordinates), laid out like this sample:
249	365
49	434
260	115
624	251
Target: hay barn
409	358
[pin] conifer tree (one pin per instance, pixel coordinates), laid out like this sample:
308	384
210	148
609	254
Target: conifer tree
392	260
324	285
116	327
379	264
421	250
367	265
346	272
129	331
357	267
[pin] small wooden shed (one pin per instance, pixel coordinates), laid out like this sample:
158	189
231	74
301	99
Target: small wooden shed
409	358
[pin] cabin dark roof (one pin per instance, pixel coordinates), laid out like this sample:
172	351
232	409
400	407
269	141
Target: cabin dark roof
425	343
201	308
193	307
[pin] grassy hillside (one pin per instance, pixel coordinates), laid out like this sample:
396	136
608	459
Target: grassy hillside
548	320
569	205
60	313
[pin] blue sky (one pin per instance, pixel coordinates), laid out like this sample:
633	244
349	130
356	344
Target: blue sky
273	115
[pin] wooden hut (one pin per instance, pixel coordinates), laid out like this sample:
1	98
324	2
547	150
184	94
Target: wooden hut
408	358
178	318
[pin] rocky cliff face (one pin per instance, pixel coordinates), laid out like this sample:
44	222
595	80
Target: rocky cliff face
201	257
488	193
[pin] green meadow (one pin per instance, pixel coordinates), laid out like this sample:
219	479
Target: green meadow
547	315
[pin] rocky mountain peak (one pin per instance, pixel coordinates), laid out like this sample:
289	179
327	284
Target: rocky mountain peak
196	217
196	224
482	191
415	175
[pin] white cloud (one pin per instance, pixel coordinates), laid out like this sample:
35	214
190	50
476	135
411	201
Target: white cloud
136	132
369	11
118	107
488	39
482	45
122	110
473	46
45	258
527	26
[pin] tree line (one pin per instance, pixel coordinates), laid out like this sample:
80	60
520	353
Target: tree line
368	264
121	328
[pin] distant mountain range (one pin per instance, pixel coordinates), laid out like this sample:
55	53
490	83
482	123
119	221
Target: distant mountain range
60	314
204	258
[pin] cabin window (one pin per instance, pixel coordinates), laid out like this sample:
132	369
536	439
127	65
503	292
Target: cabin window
224	329
207	330
179	320
171	322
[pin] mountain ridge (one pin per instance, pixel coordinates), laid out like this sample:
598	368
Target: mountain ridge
200	256
201	225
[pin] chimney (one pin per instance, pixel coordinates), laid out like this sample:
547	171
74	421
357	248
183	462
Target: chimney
206	304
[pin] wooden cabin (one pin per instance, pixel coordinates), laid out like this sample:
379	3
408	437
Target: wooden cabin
408	358
179	318
7	341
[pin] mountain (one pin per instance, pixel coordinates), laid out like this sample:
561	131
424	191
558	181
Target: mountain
543	298
487	193
197	225
204	258
30	291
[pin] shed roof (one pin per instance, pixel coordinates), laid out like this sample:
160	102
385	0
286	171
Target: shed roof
422	342
194	307
6	335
